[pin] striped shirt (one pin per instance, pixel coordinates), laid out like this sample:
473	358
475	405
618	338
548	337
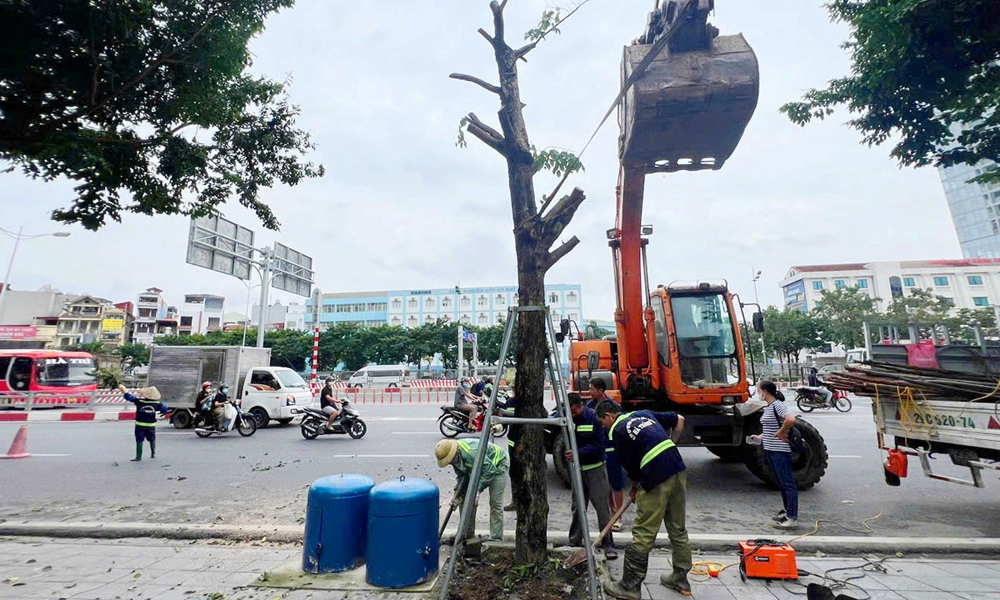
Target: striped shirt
773	417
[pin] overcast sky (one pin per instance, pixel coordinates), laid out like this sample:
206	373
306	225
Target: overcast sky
402	207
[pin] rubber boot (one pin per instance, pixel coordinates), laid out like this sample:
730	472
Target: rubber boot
677	581
138	452
634	571
152	449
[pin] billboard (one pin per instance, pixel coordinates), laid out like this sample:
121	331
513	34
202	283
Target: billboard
795	296
292	271
18	332
112	325
221	245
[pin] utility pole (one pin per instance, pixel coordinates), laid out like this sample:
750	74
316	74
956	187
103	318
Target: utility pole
265	284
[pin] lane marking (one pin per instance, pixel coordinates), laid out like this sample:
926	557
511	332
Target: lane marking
415	433
34	454
383	455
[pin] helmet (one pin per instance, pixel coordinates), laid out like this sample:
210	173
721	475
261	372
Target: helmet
445	451
207	384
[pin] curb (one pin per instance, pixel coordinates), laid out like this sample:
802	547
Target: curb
31	416
703	542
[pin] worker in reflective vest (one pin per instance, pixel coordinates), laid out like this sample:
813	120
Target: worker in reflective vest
461	455
650	457
147	403
590	442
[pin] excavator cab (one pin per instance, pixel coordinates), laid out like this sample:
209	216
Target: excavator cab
693	93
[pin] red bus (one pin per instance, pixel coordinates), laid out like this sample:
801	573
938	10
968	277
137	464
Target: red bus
48	372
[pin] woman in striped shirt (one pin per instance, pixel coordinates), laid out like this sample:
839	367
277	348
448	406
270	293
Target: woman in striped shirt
776	421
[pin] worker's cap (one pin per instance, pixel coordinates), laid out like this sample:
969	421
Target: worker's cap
150	393
445	451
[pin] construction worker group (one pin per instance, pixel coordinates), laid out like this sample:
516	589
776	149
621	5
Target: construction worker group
642	444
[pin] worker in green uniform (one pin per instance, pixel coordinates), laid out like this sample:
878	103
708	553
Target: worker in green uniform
461	455
650	457
147	403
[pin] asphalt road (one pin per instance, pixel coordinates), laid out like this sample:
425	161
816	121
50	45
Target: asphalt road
81	472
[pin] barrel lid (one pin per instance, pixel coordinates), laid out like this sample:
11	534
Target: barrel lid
343	485
402	497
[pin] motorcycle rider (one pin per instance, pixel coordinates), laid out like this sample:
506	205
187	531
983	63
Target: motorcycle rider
819	385
329	403
219	407
465	401
479	387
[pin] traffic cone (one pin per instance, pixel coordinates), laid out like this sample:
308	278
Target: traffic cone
19	449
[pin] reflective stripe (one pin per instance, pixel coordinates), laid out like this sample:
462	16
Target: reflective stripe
611	449
656	451
465	446
585	428
593	466
510	443
138	424
611	432
498	455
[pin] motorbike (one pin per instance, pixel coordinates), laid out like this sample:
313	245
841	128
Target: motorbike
205	424
454	421
809	399
314	422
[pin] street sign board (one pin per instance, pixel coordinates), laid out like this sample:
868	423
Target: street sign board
221	245
293	271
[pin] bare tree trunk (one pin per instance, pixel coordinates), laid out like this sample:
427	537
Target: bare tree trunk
534	234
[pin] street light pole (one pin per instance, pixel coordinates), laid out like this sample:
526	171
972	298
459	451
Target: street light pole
756	300
10	264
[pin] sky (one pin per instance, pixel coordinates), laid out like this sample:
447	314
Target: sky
402	207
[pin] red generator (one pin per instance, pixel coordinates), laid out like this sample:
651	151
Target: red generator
765	559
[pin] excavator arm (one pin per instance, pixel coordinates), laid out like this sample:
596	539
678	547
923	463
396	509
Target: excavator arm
690	95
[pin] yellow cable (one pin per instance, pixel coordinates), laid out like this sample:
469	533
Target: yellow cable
700	568
868	528
990	395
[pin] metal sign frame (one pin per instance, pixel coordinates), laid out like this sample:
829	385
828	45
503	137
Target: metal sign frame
292	271
220	245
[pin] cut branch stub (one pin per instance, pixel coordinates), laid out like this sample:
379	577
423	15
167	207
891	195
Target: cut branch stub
489	87
489	136
552	224
554	256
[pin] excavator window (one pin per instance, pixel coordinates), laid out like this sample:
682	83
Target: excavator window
660	323
705	340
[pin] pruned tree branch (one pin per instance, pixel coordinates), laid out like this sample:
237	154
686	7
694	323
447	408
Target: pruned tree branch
489	87
521	52
498	25
489	38
554	256
489	136
552	224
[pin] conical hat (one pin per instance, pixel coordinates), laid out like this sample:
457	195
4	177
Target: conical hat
150	393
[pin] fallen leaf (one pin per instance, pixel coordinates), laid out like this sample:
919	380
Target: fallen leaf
11	580
47	568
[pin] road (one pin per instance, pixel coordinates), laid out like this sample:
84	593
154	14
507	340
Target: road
81	472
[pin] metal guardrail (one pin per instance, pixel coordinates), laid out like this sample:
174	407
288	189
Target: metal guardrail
86	399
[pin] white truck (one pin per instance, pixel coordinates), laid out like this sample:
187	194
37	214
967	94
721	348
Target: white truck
266	392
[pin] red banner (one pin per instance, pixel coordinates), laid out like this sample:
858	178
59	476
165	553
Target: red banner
18	332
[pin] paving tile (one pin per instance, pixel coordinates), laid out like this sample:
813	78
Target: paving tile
993	582
938	595
751	593
978	595
168	578
977	570
655	591
900	584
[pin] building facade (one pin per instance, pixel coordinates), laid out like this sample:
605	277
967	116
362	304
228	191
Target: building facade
412	308
24	308
975	209
116	325
201	313
281	316
81	320
970	283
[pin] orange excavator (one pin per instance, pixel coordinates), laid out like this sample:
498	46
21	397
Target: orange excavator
689	95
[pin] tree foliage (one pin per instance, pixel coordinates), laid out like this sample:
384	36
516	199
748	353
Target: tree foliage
790	331
841	314
918	306
132	356
147	105
925	75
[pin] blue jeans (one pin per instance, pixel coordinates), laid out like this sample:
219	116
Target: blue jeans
781	464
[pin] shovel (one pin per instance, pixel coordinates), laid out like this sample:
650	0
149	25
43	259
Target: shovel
581	555
447	517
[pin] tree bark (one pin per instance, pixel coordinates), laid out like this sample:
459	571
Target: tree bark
534	234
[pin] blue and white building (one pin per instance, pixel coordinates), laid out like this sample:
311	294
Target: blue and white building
480	306
975	209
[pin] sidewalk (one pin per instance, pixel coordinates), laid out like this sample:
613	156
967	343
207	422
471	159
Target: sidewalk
155	569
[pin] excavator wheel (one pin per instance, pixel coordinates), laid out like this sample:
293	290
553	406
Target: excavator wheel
808	467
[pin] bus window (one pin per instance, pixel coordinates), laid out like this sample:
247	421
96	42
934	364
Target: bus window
4	366
20	373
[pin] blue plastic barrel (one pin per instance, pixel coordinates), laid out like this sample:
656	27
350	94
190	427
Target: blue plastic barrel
336	518
402	533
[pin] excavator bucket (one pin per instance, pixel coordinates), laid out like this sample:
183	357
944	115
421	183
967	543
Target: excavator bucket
687	109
